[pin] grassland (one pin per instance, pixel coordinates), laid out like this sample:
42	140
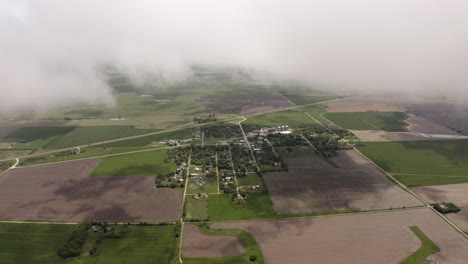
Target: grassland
247	241
142	244
316	112
258	205
252	178
196	209
152	139
419	163
135	164
371	120
32	243
292	118
427	248
69	155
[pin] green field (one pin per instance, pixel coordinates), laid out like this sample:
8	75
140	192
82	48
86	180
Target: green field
148	140
252	178
32	243
292	118
69	155
427	248
142	244
371	120
258	205
304	95
316	112
431	162
135	164
196	209
247	241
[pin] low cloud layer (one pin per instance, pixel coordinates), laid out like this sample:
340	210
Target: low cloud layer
51	50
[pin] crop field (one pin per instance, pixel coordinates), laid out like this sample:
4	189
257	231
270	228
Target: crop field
135	164
453	193
292	118
32	243
141	245
383	237
354	185
316	112
378	107
302	95
65	192
258	205
69	155
419	163
245	105
386	121
152	139
197	245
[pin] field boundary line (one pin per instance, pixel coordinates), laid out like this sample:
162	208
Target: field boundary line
182	209
424	174
38	222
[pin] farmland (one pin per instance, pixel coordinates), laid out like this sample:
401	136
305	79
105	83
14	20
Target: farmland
135	164
65	192
383	237
295	119
141	245
354	185
421	162
41	242
386	121
152	139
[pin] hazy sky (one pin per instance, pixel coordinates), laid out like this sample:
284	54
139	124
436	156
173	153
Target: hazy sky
50	49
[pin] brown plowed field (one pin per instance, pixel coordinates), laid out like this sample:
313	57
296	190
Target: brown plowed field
365	108
248	105
312	185
197	245
454	193
369	238
422	125
65	192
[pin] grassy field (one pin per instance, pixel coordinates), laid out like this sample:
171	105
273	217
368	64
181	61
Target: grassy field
292	118
142	244
135	164
304	95
431	161
32	243
87	135
196	209
371	120
210	186
427	248
152	139
252	178
258	205
67	156
316	112
247	241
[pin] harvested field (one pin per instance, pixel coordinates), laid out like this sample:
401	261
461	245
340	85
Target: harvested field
313	185
454	193
421	125
197	245
246	105
365	108
383	238
64	192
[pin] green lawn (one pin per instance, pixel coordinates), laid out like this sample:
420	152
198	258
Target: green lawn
429	160
371	120
248	242
87	135
196	209
32	243
135	164
142	244
252	178
257	206
427	248
292	118
147	140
